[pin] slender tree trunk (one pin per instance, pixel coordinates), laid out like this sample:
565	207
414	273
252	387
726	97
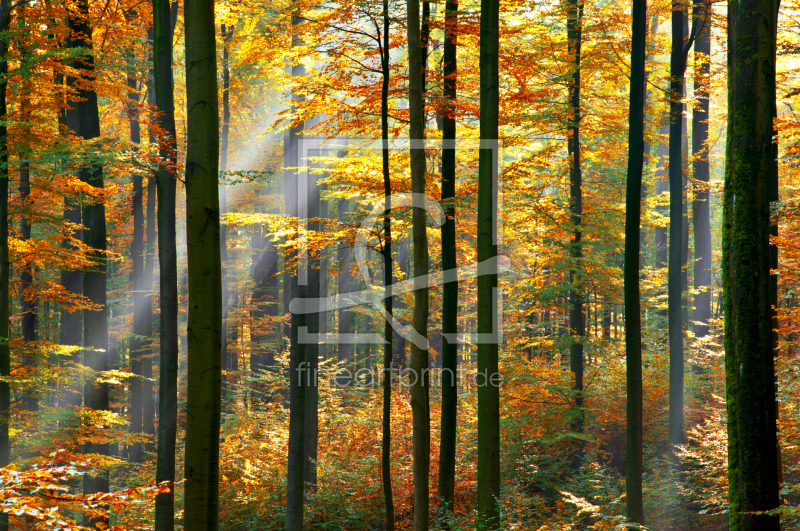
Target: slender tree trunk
489	392
346	350
205	282
388	279
653	29
750	172
576	317
420	408
700	208
311	430
633	327
5	354
399	351
675	311
168	266
298	370
135	343
227	34
449	415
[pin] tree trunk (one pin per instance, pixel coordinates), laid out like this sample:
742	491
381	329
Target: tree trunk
388	279
700	170
203	400
227	34
420	407
675	300
576	296
399	351
489	393
346	350
312	349
750	172
449	383
633	328
168	266
298	371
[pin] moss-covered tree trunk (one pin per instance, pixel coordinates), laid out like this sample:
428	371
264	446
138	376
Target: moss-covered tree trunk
749	350
205	282
633	318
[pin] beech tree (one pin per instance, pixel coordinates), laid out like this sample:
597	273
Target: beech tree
633	318
167	260
488	364
205	281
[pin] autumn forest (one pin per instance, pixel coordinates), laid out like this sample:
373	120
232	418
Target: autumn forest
399	265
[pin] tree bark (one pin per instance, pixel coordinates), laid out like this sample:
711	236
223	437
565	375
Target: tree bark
205	282
420	407
674	281
488	394
749	349
700	169
576	296
312	349
298	370
633	326
227	34
168	266
449	383
388	279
